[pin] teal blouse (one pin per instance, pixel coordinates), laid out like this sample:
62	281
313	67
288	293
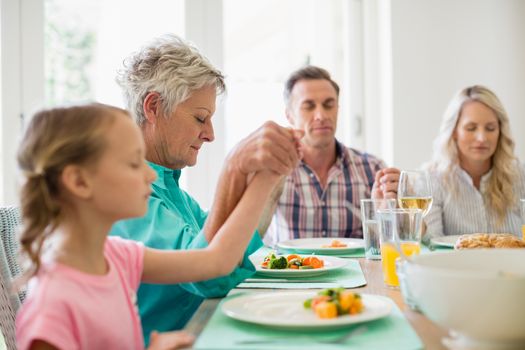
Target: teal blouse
174	221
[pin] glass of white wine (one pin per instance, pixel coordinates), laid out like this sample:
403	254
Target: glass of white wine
415	191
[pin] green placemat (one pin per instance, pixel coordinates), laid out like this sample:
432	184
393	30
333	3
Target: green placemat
392	332
439	248
434	248
350	276
358	253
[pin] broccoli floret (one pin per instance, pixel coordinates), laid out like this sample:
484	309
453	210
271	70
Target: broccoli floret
307	304
278	263
331	292
269	257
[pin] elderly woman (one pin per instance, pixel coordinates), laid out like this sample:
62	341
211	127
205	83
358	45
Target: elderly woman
477	180
171	89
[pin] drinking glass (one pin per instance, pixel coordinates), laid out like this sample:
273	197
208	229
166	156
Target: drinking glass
370	221
400	232
414	191
401	266
522	218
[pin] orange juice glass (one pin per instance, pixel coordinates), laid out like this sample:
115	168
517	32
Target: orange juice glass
389	255
400	231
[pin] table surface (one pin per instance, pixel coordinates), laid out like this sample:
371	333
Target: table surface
428	331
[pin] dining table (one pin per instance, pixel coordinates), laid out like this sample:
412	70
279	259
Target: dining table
429	333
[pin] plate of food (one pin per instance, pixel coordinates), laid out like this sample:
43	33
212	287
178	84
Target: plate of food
329	308
296	265
489	240
445	241
324	246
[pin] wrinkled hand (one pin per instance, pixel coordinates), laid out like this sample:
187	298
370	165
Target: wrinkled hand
386	183
269	176
170	340
271	147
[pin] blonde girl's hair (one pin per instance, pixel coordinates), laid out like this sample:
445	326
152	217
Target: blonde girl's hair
54	139
500	196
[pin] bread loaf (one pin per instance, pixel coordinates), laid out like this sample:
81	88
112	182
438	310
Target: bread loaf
489	240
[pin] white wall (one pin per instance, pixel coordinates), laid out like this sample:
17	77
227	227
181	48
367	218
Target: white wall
441	46
203	27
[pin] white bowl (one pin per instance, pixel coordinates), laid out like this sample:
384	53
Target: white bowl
478	293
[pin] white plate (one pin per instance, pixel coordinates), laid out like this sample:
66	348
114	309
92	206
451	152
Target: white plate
445	241
330	263
315	245
286	310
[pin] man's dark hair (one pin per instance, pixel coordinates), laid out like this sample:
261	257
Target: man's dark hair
307	73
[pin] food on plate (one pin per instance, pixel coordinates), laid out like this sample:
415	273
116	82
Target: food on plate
335	244
334	302
489	240
292	261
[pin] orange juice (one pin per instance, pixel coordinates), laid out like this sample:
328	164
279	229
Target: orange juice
389	254
523	231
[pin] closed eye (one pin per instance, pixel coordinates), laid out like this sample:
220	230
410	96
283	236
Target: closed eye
308	105
200	120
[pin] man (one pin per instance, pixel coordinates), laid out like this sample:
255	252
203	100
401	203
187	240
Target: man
321	198
171	89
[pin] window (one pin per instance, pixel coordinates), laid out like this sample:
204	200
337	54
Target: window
264	41
256	43
86	41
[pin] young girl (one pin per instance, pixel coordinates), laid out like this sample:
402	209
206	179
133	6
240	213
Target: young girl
85	169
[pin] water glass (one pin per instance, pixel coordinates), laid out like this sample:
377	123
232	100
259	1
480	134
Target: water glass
370	221
400	235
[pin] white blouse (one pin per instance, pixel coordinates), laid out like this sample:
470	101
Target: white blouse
466	212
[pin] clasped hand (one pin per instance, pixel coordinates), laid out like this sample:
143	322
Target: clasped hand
271	147
386	183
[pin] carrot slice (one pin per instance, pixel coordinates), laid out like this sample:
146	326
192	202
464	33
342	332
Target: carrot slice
292	256
319	299
326	309
316	263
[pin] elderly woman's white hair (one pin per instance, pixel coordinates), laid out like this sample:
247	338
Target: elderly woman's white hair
505	166
169	66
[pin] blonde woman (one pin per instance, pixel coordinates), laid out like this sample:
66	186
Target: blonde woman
477	179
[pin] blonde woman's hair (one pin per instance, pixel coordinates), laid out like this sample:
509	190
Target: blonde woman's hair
54	139
500	196
169	66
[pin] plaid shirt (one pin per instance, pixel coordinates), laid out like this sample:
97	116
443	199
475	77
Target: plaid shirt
306	210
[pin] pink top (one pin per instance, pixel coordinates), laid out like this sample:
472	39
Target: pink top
70	309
